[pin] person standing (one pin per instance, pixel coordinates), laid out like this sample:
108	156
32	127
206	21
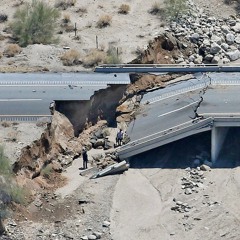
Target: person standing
119	138
85	158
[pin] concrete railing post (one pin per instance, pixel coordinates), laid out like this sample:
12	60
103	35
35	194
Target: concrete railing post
218	137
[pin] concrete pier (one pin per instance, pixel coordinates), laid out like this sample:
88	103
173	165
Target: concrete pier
218	137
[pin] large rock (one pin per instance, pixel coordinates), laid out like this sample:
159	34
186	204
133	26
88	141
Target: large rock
215	60
230	38
215	48
237	39
233	56
236	28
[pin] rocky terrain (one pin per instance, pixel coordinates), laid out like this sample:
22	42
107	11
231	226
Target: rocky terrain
150	200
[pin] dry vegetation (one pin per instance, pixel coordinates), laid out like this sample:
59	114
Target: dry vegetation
94	58
70	58
64	4
104	21
124	9
11	50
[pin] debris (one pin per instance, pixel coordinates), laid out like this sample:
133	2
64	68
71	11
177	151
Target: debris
205	167
113	169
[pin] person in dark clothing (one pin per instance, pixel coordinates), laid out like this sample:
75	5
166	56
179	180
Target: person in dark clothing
85	158
119	138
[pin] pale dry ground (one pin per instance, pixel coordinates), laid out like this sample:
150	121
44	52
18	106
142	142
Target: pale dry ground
143	199
126	32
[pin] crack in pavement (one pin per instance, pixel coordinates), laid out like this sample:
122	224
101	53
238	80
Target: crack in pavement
201	94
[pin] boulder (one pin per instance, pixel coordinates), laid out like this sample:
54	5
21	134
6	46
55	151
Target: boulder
237	39
234	55
215	48
215	60
205	167
230	38
224	46
236	28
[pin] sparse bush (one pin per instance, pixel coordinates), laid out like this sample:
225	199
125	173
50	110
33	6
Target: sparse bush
174	8
11	50
3	18
6	124
66	18
64	4
5	168
113	56
70	58
12	136
94	58
35	23
17	194
104	21
46	171
2	37
18	3
124	9
81	10
155	9
69	28
1	55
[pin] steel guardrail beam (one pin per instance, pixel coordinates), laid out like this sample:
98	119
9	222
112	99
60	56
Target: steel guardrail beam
164	137
24	118
146	68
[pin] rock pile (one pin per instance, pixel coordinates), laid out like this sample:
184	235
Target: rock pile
215	41
193	181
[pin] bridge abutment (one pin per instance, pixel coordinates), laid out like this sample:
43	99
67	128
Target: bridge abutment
218	137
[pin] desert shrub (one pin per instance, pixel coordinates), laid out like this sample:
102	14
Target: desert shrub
35	23
46	171
81	10
2	37
124	9
64	4
12	136
11	50
17	194
1	55
18	3
69	28
3	18
104	21
70	58
175	8
6	124
66	18
155	9
113	56
5	168
94	58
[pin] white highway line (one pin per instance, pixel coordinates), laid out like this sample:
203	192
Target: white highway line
176	110
19	100
220	114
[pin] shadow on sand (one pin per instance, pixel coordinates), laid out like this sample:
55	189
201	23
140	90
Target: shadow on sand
183	153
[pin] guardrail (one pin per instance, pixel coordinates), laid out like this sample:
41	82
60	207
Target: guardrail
25	118
145	68
160	138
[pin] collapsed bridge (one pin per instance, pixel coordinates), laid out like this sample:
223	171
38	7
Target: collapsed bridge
206	102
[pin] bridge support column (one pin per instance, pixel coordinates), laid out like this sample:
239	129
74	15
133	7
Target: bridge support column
218	137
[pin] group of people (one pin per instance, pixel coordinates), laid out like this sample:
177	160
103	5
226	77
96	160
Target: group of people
119	142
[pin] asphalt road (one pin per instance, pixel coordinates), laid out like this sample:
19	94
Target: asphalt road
31	93
210	95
